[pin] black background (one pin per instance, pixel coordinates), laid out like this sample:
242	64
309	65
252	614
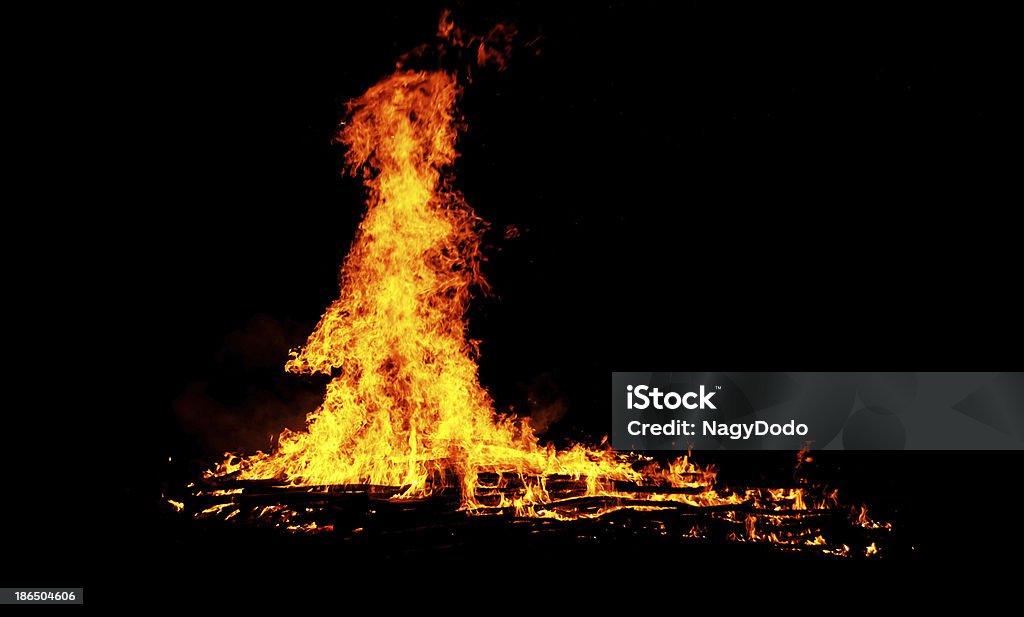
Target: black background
698	186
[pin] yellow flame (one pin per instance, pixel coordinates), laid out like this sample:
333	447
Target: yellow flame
405	407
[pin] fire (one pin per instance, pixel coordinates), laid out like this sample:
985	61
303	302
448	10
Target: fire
404	412
405	407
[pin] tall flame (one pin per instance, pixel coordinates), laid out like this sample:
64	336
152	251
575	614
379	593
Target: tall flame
405	405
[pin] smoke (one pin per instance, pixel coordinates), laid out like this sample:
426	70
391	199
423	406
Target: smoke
251	425
264	342
466	47
251	399
545	403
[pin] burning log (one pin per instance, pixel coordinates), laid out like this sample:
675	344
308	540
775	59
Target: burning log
630	487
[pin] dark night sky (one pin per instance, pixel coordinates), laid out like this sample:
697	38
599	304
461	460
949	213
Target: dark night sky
698	187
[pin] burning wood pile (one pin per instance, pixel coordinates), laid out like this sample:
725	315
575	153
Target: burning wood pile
783	518
406	429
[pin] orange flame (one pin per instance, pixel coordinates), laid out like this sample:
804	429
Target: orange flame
405	407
